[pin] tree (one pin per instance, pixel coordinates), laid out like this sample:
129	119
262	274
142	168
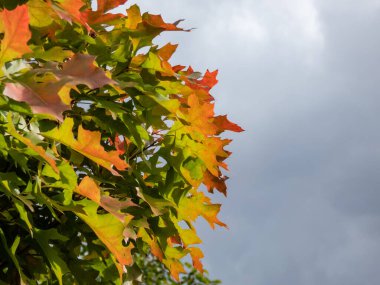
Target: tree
104	145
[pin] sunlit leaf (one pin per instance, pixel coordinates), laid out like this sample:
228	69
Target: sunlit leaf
16	33
88	144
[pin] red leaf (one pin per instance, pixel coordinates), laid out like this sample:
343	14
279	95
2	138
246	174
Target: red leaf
178	68
224	124
215	182
120	145
106	5
209	79
100	16
207	82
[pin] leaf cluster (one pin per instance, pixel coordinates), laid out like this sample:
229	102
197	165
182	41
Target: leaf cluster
104	145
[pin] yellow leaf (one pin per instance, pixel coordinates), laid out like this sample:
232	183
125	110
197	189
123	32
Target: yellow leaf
108	229
40	13
190	208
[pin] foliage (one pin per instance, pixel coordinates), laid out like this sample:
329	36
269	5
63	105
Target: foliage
104	145
153	272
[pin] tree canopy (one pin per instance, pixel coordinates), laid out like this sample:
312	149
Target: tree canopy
104	145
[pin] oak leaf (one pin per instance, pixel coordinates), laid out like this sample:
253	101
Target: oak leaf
38	149
190	208
81	69
215	182
40	13
175	267
199	115
91	190
196	255
106	5
109	230
42	97
156	21
100	15
41	89
88	144
70	10
224	124
16	33
167	51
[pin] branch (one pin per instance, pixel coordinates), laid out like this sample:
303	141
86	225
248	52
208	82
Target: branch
154	143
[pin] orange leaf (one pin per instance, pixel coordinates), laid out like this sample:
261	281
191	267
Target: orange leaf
100	16
71	10
209	79
17	33
152	242
213	154
88	144
167	51
156	21
175	268
224	124
206	83
91	190
199	115
196	255
178	68
119	143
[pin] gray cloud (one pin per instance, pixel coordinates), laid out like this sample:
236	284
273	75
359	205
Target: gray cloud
301	77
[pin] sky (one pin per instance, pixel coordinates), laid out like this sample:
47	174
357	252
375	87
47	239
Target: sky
302	78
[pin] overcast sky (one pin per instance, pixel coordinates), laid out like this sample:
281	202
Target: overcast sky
302	78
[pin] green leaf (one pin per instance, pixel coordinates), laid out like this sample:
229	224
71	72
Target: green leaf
51	252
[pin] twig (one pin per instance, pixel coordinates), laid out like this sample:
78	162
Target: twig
145	148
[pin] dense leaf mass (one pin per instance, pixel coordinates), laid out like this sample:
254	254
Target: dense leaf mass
104	145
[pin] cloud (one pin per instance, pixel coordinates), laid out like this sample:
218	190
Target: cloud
244	26
301	77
